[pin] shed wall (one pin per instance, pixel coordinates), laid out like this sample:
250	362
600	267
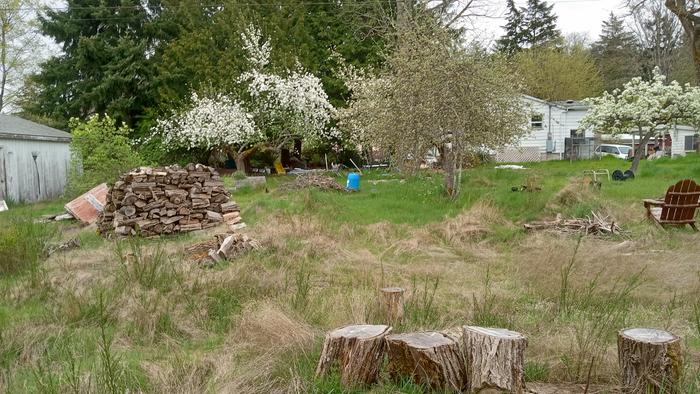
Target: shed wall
27	179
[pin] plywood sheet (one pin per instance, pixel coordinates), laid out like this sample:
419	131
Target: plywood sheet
87	207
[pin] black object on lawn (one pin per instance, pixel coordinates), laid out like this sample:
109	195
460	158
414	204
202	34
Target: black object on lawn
618	175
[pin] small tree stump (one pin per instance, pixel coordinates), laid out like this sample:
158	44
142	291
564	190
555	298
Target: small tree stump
391	301
494	359
358	352
429	358
650	360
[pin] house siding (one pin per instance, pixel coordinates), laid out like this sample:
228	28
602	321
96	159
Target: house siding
27	180
678	135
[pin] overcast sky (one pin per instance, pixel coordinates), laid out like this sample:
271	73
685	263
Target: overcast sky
574	16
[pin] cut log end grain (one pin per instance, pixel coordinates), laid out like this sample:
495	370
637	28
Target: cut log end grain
494	359
357	351
428	358
650	360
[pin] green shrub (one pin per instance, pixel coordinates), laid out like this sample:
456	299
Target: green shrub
101	152
22	244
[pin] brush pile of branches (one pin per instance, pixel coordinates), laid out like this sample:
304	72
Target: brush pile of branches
590	225
307	181
222	247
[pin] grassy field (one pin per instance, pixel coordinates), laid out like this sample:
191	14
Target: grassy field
133	315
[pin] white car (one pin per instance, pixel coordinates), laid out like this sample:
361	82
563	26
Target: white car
619	151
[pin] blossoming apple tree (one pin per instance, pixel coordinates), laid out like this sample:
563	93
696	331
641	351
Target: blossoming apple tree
275	108
642	107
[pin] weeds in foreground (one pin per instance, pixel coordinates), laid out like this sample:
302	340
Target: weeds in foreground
484	307
419	307
150	269
22	243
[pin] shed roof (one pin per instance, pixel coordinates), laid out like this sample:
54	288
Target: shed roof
14	127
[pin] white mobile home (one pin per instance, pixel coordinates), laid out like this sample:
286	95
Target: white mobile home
34	160
554	132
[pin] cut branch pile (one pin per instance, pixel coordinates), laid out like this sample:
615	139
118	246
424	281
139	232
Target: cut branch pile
306	181
223	247
153	201
593	225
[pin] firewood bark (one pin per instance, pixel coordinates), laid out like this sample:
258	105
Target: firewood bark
650	361
358	351
494	359
391	301
428	358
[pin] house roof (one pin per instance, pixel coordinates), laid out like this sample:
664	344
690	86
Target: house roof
571	104
13	127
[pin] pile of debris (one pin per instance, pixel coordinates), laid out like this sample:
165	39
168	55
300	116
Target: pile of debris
592	225
311	180
222	247
153	201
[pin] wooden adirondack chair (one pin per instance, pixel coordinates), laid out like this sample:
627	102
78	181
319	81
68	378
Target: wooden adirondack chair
677	207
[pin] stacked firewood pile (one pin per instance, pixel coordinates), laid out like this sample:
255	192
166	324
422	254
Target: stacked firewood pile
592	225
153	201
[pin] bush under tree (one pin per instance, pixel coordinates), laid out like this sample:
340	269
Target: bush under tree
101	151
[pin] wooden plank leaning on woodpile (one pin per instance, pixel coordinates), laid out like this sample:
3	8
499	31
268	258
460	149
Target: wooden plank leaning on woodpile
153	201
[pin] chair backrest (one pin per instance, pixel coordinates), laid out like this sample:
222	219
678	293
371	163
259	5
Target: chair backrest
680	202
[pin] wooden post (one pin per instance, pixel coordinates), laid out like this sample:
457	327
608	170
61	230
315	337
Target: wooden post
428	358
494	359
391	301
357	350
650	360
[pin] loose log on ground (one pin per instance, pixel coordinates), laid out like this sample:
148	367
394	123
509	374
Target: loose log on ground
650	360
391	302
428	358
357	351
494	359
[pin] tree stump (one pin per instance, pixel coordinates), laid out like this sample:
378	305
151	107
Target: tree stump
391	301
428	358
494	359
358	351
650	360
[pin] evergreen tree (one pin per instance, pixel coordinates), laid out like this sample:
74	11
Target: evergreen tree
106	64
510	42
534	25
616	53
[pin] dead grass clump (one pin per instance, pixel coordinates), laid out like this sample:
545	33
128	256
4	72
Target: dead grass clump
575	192
267	325
470	225
179	375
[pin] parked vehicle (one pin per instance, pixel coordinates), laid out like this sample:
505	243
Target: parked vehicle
619	151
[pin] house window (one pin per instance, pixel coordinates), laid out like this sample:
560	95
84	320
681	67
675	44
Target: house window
690	142
537	121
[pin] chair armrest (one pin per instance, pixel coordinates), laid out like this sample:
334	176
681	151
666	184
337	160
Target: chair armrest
649	201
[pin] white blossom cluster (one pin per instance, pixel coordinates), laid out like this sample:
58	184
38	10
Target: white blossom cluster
644	105
209	123
278	108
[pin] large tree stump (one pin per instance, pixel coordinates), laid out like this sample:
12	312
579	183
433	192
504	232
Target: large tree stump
650	360
358	351
494	359
428	358
391	301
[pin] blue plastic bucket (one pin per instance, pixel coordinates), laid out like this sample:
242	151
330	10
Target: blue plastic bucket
353	181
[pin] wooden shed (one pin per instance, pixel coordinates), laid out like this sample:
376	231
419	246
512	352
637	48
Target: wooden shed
34	160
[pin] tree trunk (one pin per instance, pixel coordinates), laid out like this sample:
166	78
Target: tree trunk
650	361
448	164
358	351
391	301
494	359
242	160
638	153
428	358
